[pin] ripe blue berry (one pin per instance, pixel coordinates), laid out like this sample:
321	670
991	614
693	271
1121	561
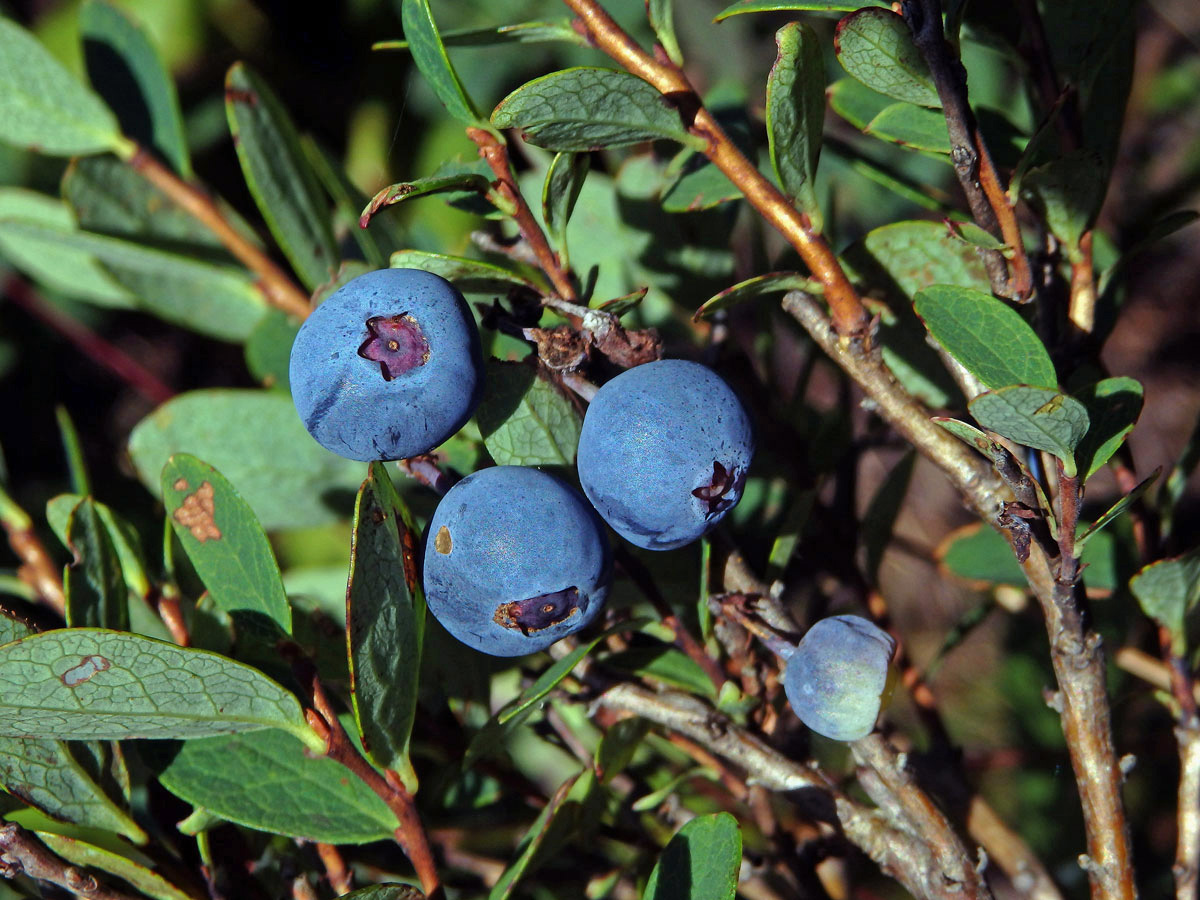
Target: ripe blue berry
664	451
836	677
388	367
514	561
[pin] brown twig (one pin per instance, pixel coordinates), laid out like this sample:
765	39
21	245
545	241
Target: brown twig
277	288
1081	309
973	164
410	834
22	853
849	315
1076	652
899	853
341	879
38	569
952	870
1010	852
495	154
100	351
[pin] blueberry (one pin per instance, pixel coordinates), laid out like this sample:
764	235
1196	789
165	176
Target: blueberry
837	676
664	451
514	561
388	367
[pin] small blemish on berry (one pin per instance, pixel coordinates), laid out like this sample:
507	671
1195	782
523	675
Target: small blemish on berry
396	343
442	542
538	613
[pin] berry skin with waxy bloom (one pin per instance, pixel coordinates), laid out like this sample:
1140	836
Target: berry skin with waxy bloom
515	560
836	679
664	451
388	367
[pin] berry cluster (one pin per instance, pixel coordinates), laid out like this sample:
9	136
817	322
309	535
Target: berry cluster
389	366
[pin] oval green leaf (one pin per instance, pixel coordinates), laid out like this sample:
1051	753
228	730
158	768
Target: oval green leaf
429	53
279	176
266	781
701	862
1034	417
589	108
81	853
468	275
385	618
127	71
44	108
1167	590
987	336
875	46
796	114
289	480
755	6
1113	406
93	582
524	420
90	683
564	181
223	539
911	126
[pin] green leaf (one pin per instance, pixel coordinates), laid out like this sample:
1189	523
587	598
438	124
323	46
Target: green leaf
219	301
661	14
93	583
587	108
289	480
533	840
385	892
226	544
44	256
701	862
429	54
89	683
656	798
796	114
80	853
44	108
664	664
1167	591
121	533
385	622
1113	407
468	275
269	350
700	185
278	175
1116	509
48	777
127	71
875	46
754	6
267	782
73	451
855	102
113	198
564	181
987	336
981	555
520	33
618	746
524	420
1070	191
758	286
1034	417
407	190
618	306
913	126
375	243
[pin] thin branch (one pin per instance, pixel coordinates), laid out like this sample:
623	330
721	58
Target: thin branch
1076	651
973	164
341	879
849	316
1082	306
38	569
1010	852
1187	846
495	155
410	834
22	853
277	288
900	854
